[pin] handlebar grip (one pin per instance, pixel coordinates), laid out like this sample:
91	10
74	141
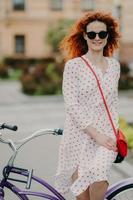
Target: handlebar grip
10	127
59	131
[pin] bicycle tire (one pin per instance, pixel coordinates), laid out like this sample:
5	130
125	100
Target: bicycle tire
122	193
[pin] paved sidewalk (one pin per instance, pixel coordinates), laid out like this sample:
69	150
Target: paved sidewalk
11	93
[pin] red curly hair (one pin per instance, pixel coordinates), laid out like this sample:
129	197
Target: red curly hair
75	45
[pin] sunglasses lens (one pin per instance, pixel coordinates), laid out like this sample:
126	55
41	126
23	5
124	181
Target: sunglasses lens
91	34
102	34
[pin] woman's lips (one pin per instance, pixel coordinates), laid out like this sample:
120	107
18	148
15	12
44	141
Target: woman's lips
97	43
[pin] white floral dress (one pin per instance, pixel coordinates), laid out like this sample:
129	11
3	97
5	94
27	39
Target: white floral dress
84	106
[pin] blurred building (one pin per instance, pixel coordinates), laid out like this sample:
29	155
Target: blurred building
24	23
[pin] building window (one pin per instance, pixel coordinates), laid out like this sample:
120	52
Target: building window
56	4
19	44
87	4
18	4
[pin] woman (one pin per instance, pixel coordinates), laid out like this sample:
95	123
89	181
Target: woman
88	146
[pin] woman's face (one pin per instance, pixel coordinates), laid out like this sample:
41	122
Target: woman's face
96	42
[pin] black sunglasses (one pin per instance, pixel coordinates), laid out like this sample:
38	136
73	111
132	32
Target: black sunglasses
92	35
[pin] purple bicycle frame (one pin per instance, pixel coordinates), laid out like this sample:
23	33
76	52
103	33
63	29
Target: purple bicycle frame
23	194
57	196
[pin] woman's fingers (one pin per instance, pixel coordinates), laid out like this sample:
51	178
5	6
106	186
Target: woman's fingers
111	144
106	141
110	147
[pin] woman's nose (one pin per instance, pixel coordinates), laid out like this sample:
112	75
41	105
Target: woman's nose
97	37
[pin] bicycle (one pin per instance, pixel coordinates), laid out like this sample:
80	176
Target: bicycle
118	191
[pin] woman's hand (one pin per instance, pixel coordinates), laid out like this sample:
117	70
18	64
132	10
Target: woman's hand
101	139
105	141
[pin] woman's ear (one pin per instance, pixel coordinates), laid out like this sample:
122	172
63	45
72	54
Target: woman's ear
107	38
84	36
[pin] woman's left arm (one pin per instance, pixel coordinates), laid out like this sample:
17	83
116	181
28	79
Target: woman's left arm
115	100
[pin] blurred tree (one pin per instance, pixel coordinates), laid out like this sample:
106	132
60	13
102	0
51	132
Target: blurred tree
56	33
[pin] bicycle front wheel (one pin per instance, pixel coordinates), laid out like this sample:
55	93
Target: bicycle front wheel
123	193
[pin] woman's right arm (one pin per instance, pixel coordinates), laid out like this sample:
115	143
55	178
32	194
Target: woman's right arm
101	139
78	113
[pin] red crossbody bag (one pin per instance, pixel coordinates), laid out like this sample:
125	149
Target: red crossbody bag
121	140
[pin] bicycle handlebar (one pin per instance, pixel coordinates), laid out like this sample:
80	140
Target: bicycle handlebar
16	145
15	128
10	127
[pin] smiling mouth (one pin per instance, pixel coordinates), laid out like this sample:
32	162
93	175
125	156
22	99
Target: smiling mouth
97	43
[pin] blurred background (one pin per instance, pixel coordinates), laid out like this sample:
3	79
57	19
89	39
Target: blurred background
31	68
30	32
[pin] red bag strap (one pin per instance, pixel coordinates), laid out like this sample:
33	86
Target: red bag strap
100	89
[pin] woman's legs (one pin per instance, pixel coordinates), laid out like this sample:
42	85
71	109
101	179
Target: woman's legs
84	195
98	190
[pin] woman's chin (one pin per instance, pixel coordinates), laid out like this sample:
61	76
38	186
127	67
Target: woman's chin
97	48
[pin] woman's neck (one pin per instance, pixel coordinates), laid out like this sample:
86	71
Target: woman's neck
95	57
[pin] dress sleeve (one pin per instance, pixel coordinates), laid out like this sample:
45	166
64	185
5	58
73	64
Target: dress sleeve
79	113
115	102
118	71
